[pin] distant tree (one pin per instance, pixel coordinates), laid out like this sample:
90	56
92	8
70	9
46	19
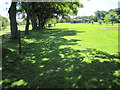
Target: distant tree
51	21
100	14
100	21
62	20
111	17
117	10
94	18
92	21
67	19
107	19
3	22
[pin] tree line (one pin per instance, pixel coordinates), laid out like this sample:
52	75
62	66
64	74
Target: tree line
39	13
111	16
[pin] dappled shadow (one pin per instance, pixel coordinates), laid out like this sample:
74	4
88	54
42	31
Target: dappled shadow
44	64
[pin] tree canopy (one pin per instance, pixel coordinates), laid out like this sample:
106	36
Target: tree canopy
45	10
40	12
111	17
100	14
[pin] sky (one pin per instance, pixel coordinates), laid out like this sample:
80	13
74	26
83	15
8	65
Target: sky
90	6
4	7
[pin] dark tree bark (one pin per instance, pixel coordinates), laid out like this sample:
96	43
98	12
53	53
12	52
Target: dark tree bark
39	21
19	42
33	17
43	19
43	24
13	22
27	21
27	26
112	22
34	23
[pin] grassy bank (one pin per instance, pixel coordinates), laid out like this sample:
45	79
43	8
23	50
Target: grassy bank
64	56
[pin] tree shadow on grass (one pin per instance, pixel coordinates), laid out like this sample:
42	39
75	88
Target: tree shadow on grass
45	65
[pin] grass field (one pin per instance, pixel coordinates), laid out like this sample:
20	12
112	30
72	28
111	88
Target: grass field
93	36
64	56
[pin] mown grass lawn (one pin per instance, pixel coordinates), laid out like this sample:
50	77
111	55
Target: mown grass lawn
64	56
93	36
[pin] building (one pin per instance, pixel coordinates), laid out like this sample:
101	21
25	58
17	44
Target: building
80	21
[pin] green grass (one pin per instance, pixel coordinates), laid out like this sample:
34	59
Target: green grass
93	36
7	30
64	56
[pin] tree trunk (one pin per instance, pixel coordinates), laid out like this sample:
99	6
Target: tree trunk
34	23
19	42
39	22
112	22
43	23
27	21
27	26
13	22
33	17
